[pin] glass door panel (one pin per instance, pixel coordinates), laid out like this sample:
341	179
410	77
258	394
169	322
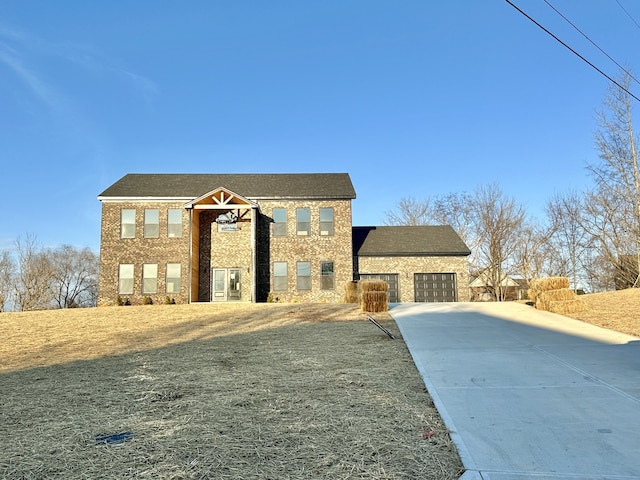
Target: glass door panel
219	284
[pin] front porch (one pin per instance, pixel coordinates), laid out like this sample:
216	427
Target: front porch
223	247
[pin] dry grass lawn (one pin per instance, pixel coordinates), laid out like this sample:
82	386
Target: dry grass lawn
265	391
613	310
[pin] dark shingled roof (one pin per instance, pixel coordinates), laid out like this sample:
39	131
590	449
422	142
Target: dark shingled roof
426	240
248	185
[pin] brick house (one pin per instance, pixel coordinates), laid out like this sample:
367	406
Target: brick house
241	237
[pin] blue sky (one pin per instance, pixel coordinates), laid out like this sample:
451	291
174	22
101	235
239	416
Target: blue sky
411	98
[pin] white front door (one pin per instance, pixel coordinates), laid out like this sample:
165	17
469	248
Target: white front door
226	284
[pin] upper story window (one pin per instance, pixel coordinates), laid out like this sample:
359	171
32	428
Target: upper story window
303	221
151	223
125	278
127	223
326	221
174	223
279	222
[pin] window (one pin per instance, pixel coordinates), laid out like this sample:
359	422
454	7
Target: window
279	222
149	278
125	279
326	221
151	223
174	223
326	277
303	274
173	277
280	276
303	221
127	223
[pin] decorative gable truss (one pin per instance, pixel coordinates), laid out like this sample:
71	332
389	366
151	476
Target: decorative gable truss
237	206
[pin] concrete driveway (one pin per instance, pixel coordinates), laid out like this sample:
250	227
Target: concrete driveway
529	394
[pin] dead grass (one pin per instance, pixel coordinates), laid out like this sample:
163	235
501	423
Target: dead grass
614	310
215	391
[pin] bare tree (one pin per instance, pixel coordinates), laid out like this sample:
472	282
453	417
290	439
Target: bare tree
570	240
33	281
457	210
499	223
487	221
7	272
410	211
532	255
615	222
611	240
74	277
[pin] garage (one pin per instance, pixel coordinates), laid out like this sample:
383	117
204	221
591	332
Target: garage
435	287
421	263
390	278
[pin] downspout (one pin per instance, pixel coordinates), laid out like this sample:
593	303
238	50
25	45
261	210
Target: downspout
254	212
190	255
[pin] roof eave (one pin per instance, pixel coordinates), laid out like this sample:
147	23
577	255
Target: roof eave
108	198
305	197
414	254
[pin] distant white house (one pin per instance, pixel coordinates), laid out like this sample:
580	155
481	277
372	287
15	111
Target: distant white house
482	289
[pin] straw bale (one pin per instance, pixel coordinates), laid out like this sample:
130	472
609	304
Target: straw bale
374	302
554	283
351	293
566	307
373	286
538	285
545	298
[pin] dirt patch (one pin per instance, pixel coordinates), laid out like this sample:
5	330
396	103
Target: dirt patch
215	391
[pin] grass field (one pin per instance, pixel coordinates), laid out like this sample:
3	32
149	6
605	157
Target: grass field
618	311
267	391
234	391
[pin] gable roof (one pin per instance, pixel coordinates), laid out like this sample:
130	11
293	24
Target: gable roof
250	185
423	240
220	198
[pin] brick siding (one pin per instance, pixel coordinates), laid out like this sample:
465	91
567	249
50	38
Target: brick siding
314	248
405	267
138	251
233	250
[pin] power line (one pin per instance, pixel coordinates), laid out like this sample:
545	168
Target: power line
573	51
628	14
592	42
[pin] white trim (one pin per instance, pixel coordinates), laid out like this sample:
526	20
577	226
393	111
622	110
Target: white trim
245	202
144	199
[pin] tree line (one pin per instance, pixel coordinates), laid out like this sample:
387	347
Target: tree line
591	236
37	278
